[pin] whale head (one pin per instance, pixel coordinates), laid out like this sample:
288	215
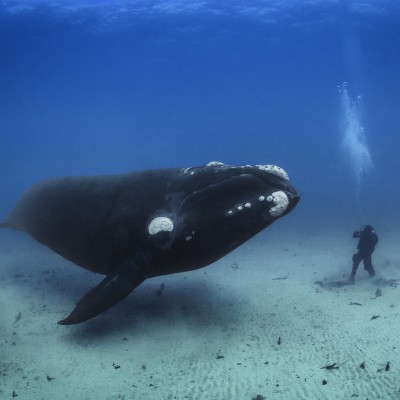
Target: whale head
223	206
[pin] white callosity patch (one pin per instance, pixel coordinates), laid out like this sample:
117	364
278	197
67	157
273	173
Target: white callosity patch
274	169
239	207
160	224
215	164
281	202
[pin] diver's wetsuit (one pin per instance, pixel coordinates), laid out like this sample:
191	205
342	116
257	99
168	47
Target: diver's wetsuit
366	246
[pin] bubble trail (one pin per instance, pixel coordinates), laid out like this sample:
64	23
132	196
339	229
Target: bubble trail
354	141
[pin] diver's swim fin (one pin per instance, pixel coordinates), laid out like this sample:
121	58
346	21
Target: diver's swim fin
112	289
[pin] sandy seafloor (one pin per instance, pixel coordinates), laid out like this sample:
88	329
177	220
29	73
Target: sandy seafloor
213	333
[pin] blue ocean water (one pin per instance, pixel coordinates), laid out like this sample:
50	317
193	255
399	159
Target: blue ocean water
101	87
90	87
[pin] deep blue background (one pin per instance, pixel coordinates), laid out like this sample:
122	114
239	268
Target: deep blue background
106	87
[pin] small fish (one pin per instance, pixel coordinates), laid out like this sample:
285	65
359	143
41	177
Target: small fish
17	318
331	366
280	278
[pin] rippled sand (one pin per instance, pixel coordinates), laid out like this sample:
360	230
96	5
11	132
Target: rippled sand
255	323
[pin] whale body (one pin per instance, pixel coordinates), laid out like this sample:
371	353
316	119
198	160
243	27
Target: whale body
139	225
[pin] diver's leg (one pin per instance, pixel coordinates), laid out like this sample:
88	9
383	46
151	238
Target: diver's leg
368	265
356	262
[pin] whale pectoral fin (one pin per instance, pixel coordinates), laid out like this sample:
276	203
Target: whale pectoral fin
112	289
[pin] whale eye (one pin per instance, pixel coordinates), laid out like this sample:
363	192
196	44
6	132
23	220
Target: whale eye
160	224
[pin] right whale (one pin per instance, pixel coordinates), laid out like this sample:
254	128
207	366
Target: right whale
136	226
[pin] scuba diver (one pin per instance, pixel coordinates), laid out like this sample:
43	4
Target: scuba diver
366	246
